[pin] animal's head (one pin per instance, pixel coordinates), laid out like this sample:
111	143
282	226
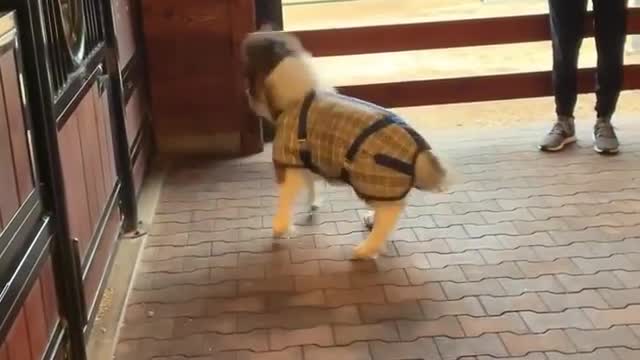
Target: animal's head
278	71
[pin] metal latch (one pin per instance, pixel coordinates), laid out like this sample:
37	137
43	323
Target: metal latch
102	82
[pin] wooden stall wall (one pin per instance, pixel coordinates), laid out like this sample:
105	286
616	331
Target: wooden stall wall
130	49
79	122
93	136
197	90
31	333
91	184
28	297
16	180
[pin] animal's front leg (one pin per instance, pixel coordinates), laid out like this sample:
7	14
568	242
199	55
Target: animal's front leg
290	187
385	217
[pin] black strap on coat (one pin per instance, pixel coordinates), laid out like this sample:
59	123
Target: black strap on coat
381	159
360	139
305	152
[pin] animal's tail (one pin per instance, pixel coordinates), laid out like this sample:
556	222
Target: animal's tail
431	175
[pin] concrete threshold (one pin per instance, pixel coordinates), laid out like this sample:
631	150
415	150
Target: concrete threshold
104	336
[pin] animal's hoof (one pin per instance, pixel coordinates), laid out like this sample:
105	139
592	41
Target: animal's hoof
280	230
368	221
278	234
286	233
363	252
316	205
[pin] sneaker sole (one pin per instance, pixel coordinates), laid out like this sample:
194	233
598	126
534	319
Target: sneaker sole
561	146
603	151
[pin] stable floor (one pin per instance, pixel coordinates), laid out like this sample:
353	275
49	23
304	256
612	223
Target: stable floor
530	256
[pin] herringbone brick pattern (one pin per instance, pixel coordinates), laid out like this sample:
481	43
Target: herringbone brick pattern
530	256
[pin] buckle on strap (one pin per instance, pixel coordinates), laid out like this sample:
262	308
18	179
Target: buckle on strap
347	164
303	145
345	172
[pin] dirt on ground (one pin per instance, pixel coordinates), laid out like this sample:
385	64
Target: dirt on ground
448	63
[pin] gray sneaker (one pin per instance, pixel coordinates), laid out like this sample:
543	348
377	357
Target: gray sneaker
562	133
605	140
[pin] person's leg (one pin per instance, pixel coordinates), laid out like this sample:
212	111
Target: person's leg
610	34
566	18
269	12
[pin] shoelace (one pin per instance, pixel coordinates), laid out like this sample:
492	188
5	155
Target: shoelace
605	130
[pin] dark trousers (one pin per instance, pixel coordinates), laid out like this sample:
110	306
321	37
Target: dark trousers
269	12
567	18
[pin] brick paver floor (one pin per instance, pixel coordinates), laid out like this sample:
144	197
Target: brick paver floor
530	256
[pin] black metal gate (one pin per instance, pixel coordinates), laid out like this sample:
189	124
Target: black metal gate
83	188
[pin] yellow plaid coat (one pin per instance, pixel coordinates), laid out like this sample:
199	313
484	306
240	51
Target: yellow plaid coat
346	139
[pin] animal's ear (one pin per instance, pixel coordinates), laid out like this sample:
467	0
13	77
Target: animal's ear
266	27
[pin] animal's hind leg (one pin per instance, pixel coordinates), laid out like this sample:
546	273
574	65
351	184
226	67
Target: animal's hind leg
368	219
294	181
313	200
385	218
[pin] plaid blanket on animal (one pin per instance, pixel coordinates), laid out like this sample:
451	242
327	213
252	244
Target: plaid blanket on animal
343	138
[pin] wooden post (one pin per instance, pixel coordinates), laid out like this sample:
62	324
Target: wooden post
197	87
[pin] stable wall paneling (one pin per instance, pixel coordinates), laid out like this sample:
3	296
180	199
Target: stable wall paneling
28	305
124	14
197	93
78	213
135	116
137	120
15	118
86	149
105	135
141	157
97	269
91	157
91	186
49	294
18	345
9	192
36	320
